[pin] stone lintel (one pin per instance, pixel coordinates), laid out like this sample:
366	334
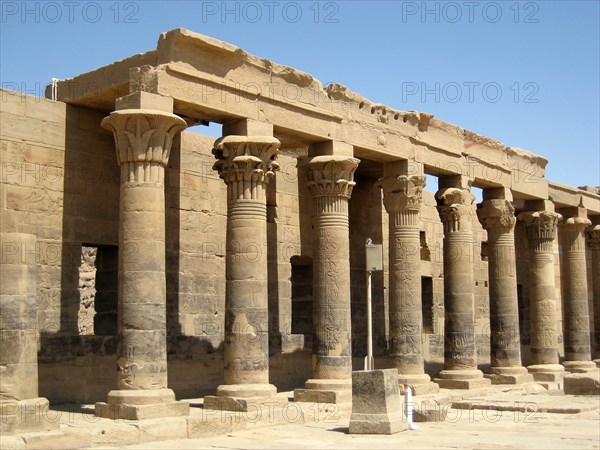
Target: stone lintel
247	127
403	167
145	100
501	193
539	205
455	181
331	148
573	213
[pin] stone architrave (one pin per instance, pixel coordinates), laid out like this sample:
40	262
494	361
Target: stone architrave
330	181
571	238
377	407
245	164
144	128
21	408
460	353
541	232
402	198
593	234
497	216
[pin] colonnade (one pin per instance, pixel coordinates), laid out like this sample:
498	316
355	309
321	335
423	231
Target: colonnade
144	128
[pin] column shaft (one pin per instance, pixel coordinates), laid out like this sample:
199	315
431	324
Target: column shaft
332	340
498	218
593	233
21	410
330	181
541	232
143	139
575	292
460	352
246	163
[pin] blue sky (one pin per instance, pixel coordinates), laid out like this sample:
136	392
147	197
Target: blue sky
525	73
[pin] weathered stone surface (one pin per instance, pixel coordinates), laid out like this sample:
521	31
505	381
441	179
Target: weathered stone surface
587	383
377	407
330	181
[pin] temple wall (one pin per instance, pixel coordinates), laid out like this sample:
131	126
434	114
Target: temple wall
60	182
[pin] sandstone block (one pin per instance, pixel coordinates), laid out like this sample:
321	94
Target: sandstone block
377	407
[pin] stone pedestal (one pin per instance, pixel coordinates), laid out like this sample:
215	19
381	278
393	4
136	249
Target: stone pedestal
541	232
377	407
21	410
460	354
245	163
144	128
575	291
498	218
402	197
330	180
593	234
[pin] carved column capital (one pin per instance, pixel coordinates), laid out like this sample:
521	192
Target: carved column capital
402	193
246	163
143	139
497	215
331	175
541	228
454	207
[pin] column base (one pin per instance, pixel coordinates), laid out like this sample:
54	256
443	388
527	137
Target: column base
325	391
244	398
597	361
549	376
25	416
421	384
141	404
462	379
579	366
510	375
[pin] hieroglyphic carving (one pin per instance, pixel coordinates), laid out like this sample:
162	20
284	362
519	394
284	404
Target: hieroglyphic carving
330	181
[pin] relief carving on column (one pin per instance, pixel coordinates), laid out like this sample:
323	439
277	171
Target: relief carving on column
246	164
540	226
455	208
331	175
143	140
497	214
402	193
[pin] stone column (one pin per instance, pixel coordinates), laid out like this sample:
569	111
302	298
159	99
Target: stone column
144	128
541	231
21	408
246	163
497	216
402	197
455	202
573	266
593	233
330	180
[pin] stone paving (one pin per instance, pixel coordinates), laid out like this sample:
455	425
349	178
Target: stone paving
501	416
